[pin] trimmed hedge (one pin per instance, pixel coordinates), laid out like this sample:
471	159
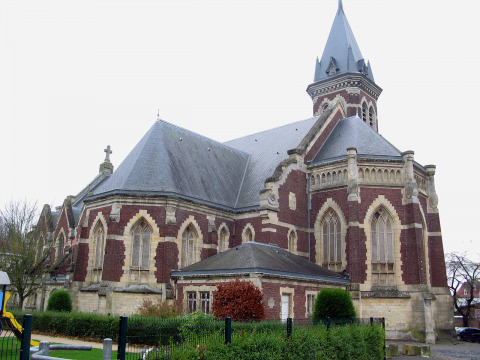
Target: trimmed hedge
351	342
86	326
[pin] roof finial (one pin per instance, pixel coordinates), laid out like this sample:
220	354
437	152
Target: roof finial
340	5
356	114
108	152
158	115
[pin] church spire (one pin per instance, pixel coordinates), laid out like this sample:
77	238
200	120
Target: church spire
341	53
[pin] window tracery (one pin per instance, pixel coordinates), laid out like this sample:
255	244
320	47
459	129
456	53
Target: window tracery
189	237
383	262
332	241
141	245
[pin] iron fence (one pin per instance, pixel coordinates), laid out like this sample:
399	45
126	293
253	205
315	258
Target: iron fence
15	340
142	338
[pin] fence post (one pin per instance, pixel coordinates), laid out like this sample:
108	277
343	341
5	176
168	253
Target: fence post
328	323
228	330
371	320
26	337
107	349
122	338
289	327
384	352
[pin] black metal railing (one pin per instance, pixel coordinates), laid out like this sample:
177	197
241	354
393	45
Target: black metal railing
154	338
15	339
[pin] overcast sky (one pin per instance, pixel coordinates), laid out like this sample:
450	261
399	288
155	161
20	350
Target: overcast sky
76	76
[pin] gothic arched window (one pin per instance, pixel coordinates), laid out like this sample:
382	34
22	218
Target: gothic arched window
223	240
332	241
248	235
60	246
371	115
364	112
383	263
292	241
99	238
189	237
141	245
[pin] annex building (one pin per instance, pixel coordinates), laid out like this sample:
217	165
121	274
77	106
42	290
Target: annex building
321	202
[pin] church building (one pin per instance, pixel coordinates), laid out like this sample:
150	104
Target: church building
321	202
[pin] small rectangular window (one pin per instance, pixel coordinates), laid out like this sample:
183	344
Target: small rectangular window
192	302
205	302
310	304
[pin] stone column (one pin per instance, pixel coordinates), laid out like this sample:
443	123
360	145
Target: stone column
431	192
429	321
353	190
411	187
355	237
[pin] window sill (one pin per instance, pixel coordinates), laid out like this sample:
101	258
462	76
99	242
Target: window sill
136	268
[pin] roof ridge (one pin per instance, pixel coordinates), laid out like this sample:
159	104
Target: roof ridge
274	128
200	136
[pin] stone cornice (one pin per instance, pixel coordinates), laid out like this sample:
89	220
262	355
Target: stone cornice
344	81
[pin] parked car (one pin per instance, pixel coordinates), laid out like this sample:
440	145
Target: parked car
468	334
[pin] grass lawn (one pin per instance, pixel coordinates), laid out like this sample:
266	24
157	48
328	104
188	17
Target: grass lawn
10	350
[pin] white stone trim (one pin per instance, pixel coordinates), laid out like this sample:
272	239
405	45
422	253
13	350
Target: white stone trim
329	204
378	203
244	232
198	246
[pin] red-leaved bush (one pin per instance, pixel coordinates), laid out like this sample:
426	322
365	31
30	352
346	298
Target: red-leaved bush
239	300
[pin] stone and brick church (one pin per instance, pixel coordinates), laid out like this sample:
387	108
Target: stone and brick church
321	202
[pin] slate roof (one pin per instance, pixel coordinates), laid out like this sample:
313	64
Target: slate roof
353	132
170	160
341	50
267	149
254	257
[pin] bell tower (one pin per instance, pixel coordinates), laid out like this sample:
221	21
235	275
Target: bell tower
343	74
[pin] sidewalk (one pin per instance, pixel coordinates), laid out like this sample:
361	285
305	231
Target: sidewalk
69	341
445	350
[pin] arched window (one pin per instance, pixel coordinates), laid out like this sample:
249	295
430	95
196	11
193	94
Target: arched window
141	245
382	249
292	241
332	241
248	235
371	115
188	246
99	237
223	240
364	112
60	246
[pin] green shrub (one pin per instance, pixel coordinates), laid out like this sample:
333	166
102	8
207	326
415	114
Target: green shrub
333	303
59	300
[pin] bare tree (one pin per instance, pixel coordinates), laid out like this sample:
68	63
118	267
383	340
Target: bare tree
462	271
23	251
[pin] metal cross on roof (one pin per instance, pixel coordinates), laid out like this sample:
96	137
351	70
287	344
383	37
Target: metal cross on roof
108	152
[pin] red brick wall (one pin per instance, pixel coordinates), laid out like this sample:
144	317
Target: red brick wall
81	263
166	260
269	290
114	260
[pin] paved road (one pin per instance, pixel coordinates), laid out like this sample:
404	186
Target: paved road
450	351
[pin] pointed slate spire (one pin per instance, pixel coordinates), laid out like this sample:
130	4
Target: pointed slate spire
343	48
